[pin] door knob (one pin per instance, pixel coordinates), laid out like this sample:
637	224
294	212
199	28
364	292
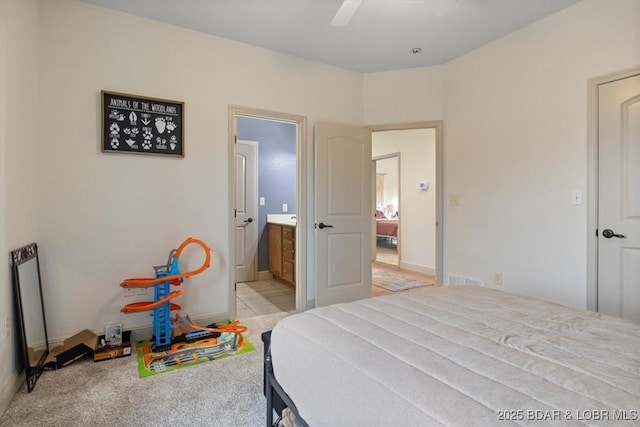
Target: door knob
323	225
608	233
246	222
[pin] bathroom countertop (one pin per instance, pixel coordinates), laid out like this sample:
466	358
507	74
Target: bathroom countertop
282	219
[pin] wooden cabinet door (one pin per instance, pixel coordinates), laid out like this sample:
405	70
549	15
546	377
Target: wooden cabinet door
275	250
288	250
288	272
289	254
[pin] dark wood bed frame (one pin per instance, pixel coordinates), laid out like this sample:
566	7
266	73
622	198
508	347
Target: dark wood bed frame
277	398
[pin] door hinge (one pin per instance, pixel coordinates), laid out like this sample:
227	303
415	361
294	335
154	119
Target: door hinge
235	213
596	232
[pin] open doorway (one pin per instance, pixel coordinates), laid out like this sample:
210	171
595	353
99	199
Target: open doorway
265	192
387	215
406	257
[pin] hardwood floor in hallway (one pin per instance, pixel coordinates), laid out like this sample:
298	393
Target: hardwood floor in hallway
377	290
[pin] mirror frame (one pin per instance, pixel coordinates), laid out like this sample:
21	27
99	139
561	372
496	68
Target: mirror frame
19	257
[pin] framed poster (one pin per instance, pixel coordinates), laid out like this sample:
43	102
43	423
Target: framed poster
142	125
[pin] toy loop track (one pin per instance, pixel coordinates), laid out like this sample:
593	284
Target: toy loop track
146	282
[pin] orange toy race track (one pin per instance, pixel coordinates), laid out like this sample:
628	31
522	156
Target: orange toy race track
174	279
137	307
165	336
146	282
234	327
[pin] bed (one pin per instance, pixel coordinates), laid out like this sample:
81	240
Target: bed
386	227
455	356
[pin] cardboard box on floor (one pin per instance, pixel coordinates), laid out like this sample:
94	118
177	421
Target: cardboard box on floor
109	352
73	348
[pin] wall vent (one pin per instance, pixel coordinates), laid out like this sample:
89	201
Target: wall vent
455	279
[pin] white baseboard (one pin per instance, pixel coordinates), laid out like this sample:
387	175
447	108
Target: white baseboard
417	268
264	275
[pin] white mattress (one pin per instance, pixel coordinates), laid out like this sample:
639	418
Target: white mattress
463	356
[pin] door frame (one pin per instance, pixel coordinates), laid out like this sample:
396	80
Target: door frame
301	197
396	155
438	125
254	264
593	180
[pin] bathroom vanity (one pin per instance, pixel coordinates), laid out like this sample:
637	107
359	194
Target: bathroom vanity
282	247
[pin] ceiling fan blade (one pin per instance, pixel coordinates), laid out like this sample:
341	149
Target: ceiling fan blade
345	13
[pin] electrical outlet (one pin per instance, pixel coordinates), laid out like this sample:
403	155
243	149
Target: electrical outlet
285	208
453	200
7	327
497	278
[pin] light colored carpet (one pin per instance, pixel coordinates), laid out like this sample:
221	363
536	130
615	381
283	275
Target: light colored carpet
225	392
395	282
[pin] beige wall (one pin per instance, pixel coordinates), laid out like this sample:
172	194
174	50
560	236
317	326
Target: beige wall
404	96
18	162
516	147
106	217
515	144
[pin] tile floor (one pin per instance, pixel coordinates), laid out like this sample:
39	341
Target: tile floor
263	297
270	296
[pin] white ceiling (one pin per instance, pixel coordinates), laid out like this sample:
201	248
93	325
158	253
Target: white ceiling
379	37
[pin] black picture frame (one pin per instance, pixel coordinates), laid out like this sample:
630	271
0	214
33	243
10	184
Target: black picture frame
136	124
32	324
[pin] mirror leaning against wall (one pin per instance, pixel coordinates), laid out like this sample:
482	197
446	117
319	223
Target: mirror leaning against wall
27	288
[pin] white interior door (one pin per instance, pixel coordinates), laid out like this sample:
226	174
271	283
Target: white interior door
246	256
618	290
343	213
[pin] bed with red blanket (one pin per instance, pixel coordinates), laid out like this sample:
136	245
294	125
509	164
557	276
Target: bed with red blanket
386	227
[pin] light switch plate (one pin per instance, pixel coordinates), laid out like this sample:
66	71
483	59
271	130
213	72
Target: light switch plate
576	197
